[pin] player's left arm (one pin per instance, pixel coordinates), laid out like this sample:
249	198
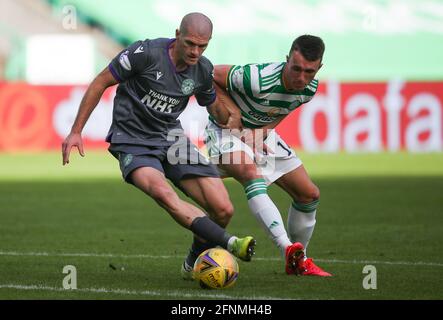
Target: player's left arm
224	110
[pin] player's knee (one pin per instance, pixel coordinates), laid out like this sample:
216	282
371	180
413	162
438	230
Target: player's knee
314	192
246	173
310	194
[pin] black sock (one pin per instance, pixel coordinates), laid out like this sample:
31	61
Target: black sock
210	231
197	248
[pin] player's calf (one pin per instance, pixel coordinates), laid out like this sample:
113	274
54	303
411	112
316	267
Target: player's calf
301	221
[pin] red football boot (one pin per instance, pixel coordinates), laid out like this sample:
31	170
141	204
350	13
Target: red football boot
295	259
312	270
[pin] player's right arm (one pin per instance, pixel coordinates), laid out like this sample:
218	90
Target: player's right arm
90	100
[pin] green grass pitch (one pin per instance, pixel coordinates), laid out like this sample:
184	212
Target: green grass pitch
384	210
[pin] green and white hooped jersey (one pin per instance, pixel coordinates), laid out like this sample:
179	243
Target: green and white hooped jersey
259	92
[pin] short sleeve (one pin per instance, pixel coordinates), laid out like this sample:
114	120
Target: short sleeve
206	96
235	79
130	61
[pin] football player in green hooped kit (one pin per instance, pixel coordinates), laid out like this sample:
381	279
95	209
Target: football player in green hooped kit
262	95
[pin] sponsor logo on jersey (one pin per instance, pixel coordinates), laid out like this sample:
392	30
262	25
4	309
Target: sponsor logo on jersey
188	86
159	102
124	61
139	49
158	75
259	117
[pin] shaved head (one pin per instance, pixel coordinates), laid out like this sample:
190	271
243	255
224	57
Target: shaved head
196	23
192	39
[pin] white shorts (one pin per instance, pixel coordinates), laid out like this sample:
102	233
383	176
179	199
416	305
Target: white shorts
271	166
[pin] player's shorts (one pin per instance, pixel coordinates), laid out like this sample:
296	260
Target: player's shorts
176	164
271	166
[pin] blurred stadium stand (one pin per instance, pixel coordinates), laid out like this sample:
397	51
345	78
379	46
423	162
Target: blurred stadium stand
366	40
22	19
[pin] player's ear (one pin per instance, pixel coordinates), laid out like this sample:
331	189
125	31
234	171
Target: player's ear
177	33
287	58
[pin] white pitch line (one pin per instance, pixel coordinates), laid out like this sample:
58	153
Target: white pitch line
147	256
150	293
94	255
405	263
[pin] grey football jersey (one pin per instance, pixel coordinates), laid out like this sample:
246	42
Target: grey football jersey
152	94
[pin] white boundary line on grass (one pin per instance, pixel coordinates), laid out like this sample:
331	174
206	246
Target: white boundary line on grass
147	256
150	293
405	263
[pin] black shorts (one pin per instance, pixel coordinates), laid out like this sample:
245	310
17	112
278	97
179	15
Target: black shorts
175	164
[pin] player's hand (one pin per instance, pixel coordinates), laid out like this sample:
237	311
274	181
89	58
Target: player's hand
72	140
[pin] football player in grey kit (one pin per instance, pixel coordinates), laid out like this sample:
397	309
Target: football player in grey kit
156	79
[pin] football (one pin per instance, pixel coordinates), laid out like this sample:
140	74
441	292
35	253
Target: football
216	268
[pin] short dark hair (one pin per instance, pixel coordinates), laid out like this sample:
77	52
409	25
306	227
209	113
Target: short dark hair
311	47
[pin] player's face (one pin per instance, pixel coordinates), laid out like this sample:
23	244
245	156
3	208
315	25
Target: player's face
299	71
191	47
